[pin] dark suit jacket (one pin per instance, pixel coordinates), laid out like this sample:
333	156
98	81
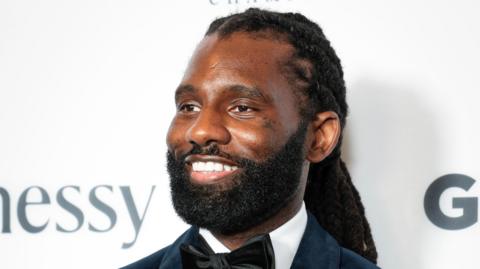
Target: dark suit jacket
317	250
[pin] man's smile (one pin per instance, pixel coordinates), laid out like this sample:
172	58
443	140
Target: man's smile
208	169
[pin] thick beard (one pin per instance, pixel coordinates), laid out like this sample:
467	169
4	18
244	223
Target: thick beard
252	197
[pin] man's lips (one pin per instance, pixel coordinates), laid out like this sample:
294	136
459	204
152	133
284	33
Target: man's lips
207	169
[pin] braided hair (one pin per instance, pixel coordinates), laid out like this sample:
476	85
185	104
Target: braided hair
330	194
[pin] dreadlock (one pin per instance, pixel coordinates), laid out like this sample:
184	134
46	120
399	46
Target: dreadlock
330	194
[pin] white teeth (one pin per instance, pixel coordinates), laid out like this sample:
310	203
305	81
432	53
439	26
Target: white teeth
209	167
218	167
212	167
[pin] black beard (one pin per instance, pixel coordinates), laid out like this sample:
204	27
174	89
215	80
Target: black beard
254	195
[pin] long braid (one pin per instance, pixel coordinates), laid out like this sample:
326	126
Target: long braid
367	246
330	194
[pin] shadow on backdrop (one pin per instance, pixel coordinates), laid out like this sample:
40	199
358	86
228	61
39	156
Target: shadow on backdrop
391	147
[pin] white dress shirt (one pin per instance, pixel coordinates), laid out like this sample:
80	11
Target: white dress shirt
285	239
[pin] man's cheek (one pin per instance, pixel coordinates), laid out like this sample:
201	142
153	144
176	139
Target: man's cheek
254	145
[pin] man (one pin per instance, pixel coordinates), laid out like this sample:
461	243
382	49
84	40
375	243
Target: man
255	144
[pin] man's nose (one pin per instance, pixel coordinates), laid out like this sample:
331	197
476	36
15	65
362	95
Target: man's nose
207	128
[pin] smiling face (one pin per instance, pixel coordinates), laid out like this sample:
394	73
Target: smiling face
237	143
233	94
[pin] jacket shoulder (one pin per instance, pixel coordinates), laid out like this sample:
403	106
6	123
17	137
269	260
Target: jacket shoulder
318	249
150	262
351	260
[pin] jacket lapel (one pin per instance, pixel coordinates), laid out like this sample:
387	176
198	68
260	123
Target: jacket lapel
172	258
317	248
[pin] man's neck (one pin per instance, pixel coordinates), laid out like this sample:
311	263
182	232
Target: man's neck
235	241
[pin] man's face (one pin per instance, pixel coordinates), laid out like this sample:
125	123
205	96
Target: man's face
236	142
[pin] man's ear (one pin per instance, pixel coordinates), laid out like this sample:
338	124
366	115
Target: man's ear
325	132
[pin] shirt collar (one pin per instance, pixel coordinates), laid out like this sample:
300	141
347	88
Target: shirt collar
285	239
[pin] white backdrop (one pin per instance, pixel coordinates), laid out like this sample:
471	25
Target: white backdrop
86	96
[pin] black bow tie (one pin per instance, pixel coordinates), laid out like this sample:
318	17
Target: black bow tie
256	253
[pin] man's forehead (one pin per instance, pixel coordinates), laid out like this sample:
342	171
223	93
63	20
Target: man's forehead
239	49
240	58
253	58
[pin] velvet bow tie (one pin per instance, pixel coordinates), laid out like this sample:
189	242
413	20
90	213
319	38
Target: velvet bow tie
256	253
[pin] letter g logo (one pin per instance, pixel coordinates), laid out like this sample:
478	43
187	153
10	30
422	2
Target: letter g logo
469	205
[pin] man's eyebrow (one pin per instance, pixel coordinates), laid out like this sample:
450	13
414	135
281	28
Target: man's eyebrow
183	89
252	92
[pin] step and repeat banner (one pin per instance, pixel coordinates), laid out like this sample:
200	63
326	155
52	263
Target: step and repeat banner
86	97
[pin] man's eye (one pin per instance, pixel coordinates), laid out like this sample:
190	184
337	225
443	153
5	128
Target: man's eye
189	108
242	108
